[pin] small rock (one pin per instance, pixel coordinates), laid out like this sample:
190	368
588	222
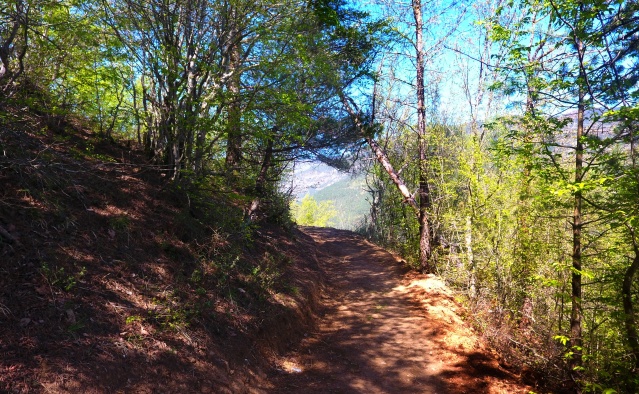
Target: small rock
25	322
70	316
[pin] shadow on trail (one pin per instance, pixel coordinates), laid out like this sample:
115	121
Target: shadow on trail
375	336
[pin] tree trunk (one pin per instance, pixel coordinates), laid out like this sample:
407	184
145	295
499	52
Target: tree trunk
628	308
425	247
381	156
136	112
8	45
148	143
234	134
471	258
114	114
576	311
260	183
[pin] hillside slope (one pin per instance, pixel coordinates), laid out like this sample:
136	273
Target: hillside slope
350	200
113	280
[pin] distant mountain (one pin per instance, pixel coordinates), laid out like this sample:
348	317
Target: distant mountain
349	196
326	183
312	177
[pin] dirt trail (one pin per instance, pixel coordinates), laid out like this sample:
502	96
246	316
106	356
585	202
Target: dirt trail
386	331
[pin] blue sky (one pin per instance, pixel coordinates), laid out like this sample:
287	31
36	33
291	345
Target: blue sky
446	25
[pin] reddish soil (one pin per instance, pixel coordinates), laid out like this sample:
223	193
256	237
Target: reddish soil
384	330
111	282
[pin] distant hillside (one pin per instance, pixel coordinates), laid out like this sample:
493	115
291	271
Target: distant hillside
326	183
312	177
349	196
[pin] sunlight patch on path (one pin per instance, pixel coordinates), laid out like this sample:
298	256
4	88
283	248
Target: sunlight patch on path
387	331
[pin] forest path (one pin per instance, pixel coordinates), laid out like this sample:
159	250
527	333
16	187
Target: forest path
384	330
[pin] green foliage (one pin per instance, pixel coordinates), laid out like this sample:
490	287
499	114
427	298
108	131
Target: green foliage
171	315
501	212
503	192
309	213
267	273
349	199
133	318
120	222
58	277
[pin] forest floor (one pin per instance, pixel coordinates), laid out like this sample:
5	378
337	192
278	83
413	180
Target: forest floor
113	282
386	330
